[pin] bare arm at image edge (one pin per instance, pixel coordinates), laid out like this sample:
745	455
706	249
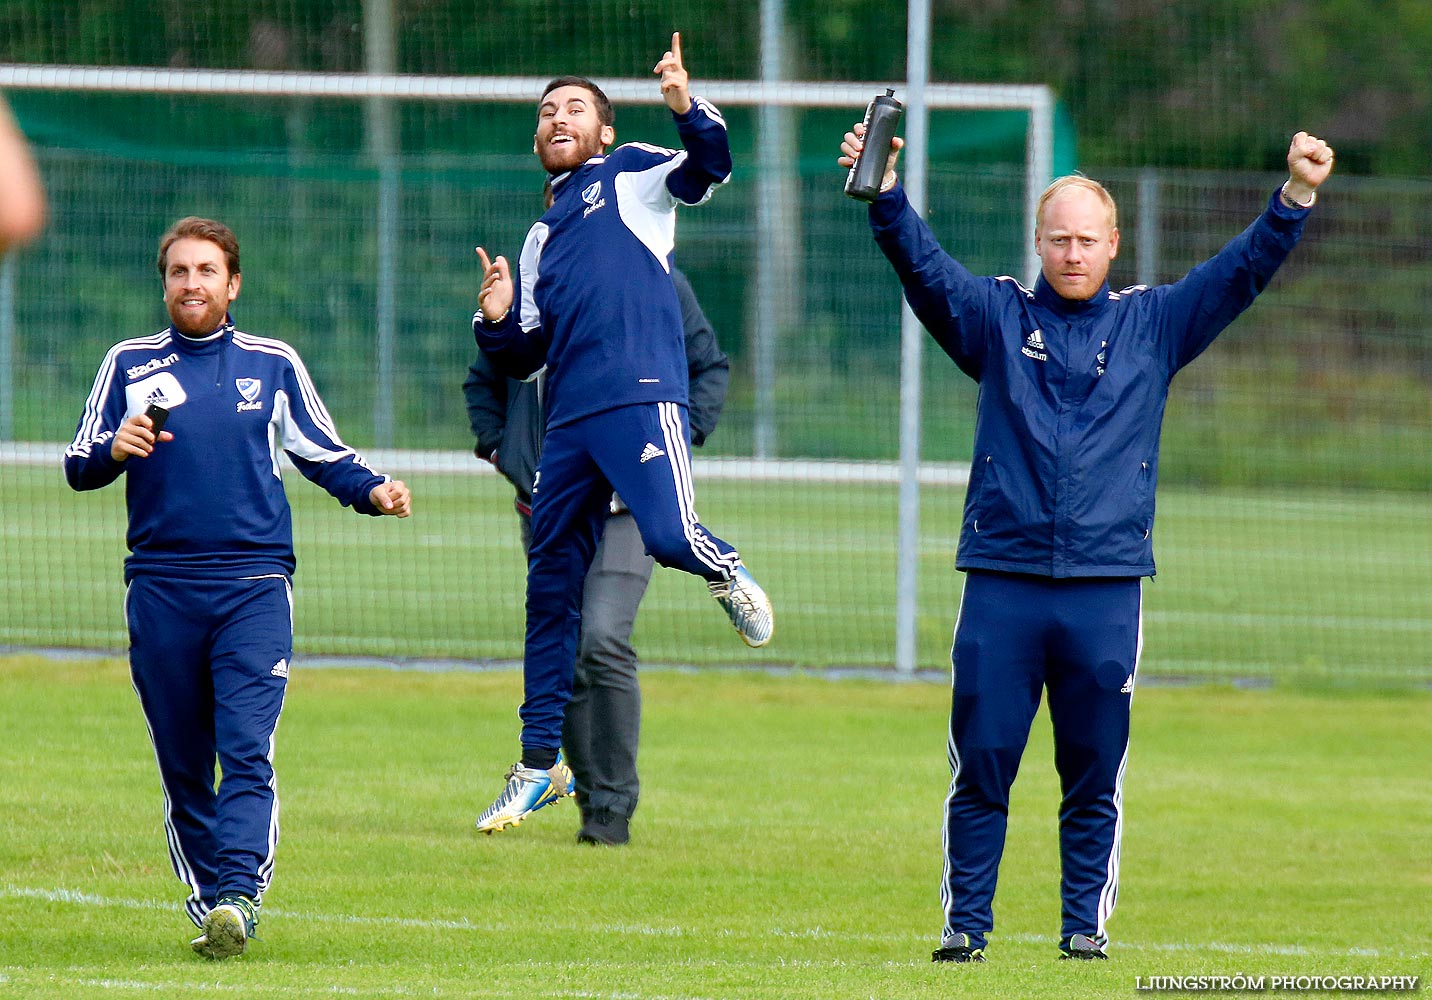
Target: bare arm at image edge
22	197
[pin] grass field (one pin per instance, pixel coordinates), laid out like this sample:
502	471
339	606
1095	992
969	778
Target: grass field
787	846
1326	586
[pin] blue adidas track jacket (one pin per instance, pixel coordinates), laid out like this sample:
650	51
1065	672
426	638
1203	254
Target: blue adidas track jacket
210	503
595	302
1072	394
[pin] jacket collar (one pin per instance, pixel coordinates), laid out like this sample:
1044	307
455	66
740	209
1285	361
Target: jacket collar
560	180
224	332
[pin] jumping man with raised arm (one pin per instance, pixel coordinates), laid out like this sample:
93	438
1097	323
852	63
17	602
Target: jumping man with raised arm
594	303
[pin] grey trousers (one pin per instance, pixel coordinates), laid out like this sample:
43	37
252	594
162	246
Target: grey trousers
603	721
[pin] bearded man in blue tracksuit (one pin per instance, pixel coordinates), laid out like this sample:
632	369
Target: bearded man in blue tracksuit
1058	520
209	594
602	728
595	304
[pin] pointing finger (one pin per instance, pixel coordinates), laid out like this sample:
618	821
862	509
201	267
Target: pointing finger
482	259
676	46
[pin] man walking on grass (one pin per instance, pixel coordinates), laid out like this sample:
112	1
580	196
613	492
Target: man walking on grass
194	417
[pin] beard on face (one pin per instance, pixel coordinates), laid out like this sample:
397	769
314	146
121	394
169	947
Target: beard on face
198	323
567	156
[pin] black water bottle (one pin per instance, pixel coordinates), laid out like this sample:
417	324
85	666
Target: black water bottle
881	119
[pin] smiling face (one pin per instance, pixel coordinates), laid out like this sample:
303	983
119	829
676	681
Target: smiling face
1076	240
569	128
198	286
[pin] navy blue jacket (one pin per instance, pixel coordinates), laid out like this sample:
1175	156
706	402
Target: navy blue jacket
1072	393
594	299
210	503
508	416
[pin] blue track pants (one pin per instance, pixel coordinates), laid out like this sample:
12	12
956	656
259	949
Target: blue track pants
1016	637
209	660
643	453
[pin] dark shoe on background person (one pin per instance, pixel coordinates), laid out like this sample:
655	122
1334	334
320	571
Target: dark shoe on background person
1082	947
958	948
604	827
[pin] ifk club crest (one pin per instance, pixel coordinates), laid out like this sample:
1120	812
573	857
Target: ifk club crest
249	388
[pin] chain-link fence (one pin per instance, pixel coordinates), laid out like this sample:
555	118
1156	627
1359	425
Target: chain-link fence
1292	531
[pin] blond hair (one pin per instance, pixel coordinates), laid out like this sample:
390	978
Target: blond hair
1065	183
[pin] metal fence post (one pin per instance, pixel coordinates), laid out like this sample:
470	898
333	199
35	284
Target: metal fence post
917	127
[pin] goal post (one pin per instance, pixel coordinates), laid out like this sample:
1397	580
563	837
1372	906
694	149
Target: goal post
1036	100
769	214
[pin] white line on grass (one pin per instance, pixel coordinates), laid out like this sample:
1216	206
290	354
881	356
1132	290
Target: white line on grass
168	988
1338	623
645	930
249	988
